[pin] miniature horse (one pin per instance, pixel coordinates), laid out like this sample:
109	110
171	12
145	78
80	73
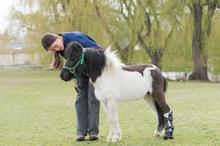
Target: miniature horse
116	82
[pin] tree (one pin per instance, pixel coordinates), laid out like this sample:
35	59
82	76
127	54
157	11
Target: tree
5	39
126	24
149	23
161	18
55	16
202	12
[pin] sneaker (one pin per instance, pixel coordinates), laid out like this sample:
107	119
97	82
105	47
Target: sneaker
93	137
80	138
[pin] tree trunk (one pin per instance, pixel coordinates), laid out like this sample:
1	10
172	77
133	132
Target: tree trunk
156	60
199	56
155	56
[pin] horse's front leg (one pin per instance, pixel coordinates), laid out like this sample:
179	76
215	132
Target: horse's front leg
112	116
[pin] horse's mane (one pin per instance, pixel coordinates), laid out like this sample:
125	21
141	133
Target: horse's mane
98	59
95	60
112	61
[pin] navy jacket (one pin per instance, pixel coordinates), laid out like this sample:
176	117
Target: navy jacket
80	37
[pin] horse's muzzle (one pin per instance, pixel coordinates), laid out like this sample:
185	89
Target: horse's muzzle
66	76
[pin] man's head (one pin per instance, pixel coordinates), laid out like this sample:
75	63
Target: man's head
52	42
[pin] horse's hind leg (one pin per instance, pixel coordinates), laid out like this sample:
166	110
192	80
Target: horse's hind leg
161	121
159	115
112	116
159	98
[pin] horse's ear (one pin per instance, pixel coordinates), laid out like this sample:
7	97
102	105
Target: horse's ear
72	47
77	46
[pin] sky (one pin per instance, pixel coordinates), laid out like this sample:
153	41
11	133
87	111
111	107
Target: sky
5	6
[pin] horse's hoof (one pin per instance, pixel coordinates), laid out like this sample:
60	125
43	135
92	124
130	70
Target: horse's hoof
158	133
115	140
168	136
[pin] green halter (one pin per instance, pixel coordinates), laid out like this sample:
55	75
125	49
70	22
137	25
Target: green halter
79	62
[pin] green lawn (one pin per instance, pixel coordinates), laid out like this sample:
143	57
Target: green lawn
37	108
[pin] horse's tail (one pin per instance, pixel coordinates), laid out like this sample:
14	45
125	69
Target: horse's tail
165	84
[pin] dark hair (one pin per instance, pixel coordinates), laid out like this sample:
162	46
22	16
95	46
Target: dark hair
56	60
48	39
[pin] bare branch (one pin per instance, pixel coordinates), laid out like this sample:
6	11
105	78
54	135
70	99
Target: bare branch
122	11
168	38
148	23
143	44
105	25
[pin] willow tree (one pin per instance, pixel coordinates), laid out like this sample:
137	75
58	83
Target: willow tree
58	16
202	12
55	16
161	19
5	39
148	23
121	26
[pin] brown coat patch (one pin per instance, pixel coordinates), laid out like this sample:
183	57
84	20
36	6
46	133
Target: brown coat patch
158	79
137	68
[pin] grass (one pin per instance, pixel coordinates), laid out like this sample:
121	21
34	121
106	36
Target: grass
37	109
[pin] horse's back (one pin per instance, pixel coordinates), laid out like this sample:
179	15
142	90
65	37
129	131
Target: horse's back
144	70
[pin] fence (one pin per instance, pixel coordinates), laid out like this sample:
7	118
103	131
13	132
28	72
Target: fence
11	59
183	76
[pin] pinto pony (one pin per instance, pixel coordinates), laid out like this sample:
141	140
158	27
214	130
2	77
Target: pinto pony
116	82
